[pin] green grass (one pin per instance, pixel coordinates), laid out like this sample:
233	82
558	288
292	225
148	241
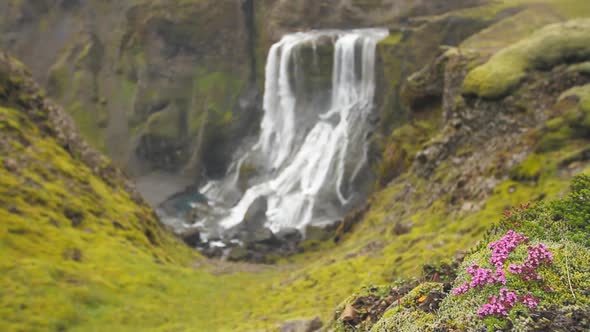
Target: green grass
122	281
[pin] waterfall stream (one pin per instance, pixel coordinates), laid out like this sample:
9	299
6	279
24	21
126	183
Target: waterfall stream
313	142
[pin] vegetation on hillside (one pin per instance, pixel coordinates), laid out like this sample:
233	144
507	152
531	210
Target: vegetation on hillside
552	295
79	251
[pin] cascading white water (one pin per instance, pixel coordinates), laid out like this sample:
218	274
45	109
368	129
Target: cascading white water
308	155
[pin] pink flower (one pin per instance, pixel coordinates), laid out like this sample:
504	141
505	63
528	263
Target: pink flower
461	289
530	301
506	245
499	305
538	255
500	276
480	278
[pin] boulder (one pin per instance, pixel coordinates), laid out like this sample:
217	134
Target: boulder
252	228
302	326
256	215
290	235
191	236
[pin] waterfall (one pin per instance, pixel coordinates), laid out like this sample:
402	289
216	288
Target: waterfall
312	146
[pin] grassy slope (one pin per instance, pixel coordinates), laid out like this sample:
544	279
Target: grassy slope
122	282
562	226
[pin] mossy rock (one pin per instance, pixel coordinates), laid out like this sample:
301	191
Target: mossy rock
364	308
165	124
403	145
66	213
410	313
554	141
579	119
529	170
559	43
573	122
582	68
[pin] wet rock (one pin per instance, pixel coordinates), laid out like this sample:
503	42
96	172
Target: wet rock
261	235
320	233
290	235
252	229
252	241
256	214
302	326
191	236
238	254
212	252
199	211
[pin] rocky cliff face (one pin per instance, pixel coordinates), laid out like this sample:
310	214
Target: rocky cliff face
175	86
153	85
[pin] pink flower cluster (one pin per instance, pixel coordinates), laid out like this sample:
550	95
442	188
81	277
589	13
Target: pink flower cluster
502	304
530	301
505	246
538	255
481	277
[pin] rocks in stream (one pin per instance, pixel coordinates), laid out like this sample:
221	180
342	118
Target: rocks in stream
252	241
261	245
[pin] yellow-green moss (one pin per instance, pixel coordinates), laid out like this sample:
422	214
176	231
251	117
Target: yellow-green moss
164	124
582	93
572	124
405	315
529	170
217	92
546	48
583	68
401	148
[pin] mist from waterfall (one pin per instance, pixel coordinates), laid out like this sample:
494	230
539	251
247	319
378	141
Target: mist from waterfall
312	146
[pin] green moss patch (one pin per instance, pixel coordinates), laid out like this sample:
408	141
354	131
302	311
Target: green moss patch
164	125
559	43
572	123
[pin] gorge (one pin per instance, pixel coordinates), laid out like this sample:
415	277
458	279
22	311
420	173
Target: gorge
340	165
